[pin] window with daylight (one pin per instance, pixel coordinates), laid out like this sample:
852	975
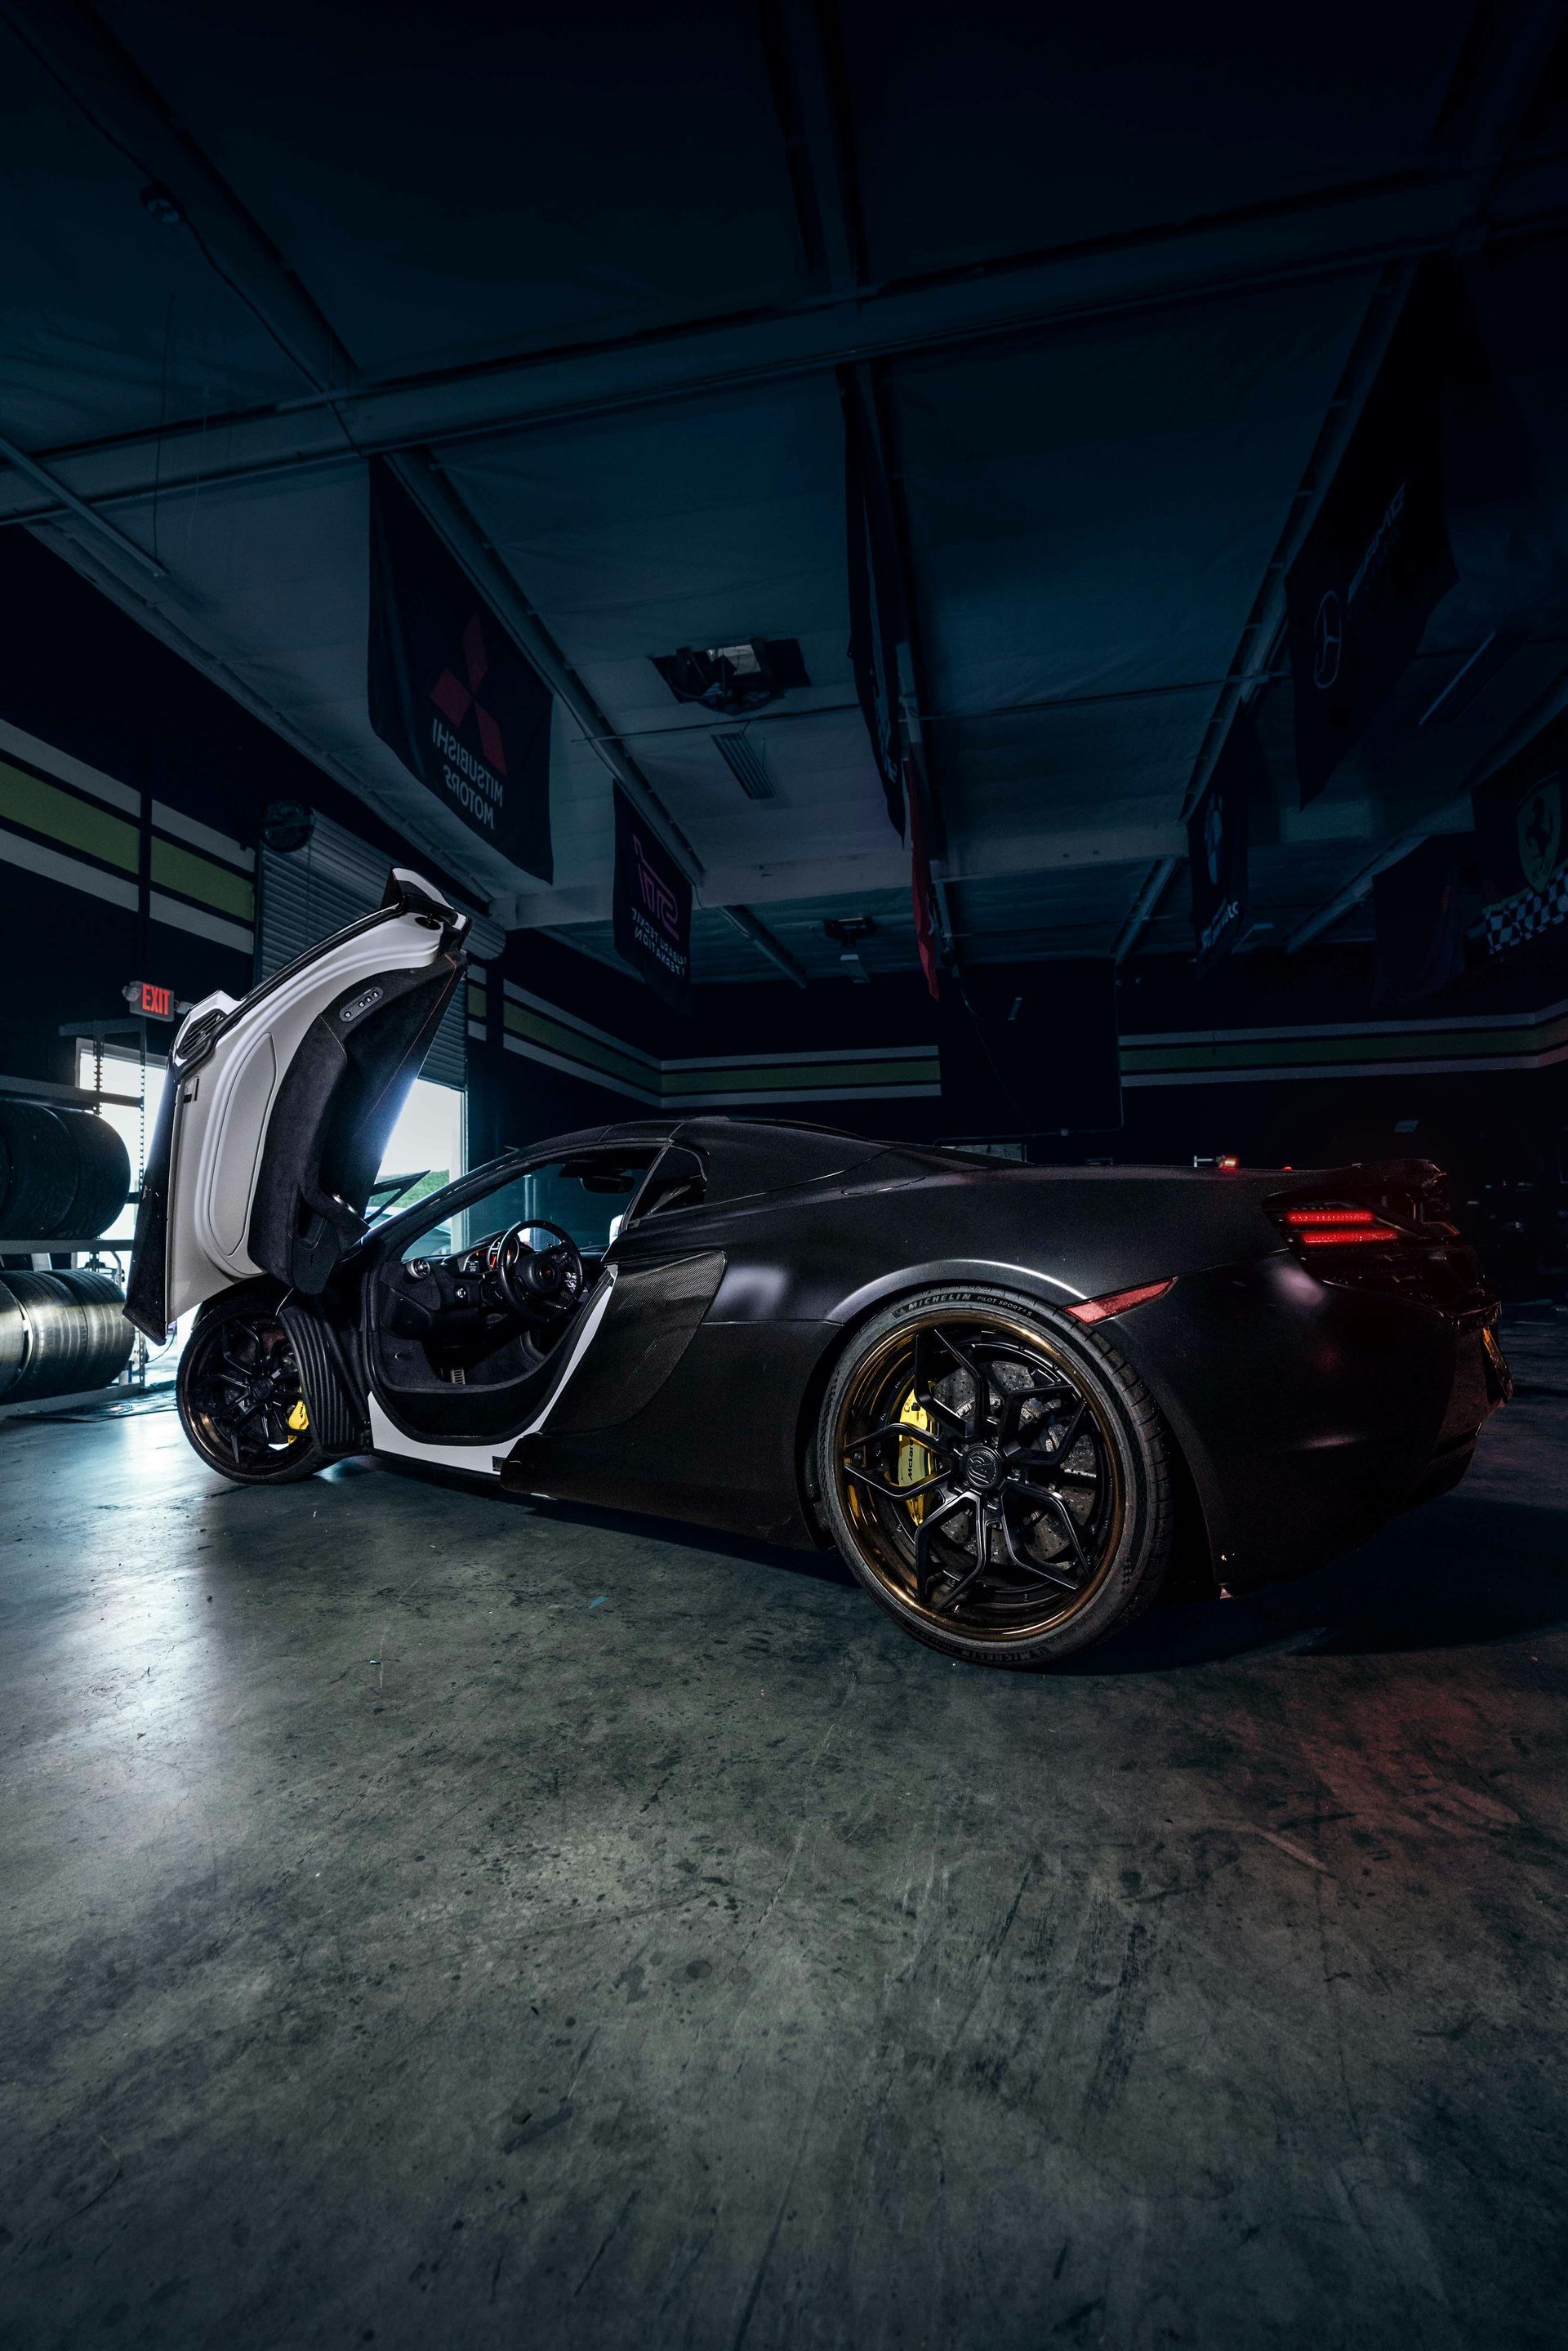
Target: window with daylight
123	1072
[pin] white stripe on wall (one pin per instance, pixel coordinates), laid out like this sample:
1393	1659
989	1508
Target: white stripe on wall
57	867
91	780
201	836
180	917
584	1028
580	1070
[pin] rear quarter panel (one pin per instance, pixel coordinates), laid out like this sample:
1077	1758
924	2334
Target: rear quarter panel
720	1441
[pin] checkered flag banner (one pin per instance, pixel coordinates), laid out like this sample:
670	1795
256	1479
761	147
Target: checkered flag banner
1526	915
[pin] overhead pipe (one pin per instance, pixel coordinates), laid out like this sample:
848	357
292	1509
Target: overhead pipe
80	507
1143	906
742	919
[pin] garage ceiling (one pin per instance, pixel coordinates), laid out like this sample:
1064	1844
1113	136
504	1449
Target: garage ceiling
1123	285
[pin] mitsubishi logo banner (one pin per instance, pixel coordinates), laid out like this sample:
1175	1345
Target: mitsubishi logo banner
1217	842
449	692
1377	558
653	908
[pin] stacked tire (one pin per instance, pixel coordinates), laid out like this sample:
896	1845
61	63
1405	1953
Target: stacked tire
61	1171
61	1334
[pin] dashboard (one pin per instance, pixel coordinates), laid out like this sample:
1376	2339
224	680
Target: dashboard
473	1264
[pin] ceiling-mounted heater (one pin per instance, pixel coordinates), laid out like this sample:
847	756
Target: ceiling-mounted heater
739	676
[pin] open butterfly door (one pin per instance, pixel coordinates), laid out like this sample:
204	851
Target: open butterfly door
278	1108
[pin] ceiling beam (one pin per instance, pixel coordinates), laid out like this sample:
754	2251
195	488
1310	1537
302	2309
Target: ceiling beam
1345	232
95	521
742	919
1454	818
1151	890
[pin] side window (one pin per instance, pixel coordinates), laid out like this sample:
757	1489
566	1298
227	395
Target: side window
676	1182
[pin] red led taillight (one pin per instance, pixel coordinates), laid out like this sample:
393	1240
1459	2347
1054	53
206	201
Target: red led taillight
1337	1228
1118	1301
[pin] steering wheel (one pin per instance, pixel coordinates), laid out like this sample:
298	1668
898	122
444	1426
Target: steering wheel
539	1283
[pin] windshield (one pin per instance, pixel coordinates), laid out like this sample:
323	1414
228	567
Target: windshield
586	1195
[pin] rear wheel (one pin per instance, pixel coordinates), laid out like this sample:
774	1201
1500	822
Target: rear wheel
241	1400
997	1480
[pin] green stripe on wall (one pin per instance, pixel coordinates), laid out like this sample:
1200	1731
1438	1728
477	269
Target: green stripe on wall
866	1077
198	877
575	1047
1303	1052
476	1004
44	807
779	1081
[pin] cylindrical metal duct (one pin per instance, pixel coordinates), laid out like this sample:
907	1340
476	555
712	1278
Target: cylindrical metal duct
60	1334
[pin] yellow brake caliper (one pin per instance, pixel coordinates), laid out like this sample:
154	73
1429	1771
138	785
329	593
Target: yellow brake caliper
300	1418
914	1460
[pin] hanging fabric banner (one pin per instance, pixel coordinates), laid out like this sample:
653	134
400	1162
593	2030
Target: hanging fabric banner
1377	558
1217	842
1420	932
877	624
449	690
653	907
1522	842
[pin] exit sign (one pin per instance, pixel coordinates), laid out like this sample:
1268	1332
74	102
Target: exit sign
144	995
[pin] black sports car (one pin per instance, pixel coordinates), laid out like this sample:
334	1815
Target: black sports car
1017	1398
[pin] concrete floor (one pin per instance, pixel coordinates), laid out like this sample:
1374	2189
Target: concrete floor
431	1920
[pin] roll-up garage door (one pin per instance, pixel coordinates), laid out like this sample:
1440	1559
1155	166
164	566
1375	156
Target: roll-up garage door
307	893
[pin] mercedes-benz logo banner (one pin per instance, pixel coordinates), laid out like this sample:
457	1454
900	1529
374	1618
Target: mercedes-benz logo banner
653	908
1217	842
1377	557
449	690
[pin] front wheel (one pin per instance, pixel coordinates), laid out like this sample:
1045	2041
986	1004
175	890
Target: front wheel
998	1481
242	1403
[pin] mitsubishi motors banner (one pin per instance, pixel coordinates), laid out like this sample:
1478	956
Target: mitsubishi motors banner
1377	558
464	709
653	908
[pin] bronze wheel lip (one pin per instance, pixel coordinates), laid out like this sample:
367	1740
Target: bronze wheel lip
859	1514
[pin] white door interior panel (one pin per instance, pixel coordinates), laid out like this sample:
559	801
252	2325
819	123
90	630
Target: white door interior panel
278	1100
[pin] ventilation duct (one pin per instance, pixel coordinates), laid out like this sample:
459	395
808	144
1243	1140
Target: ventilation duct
743	761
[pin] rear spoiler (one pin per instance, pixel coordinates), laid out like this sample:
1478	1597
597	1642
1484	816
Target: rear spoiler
1406	1191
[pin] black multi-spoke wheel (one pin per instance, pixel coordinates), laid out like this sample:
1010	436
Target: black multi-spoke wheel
998	1481
241	1400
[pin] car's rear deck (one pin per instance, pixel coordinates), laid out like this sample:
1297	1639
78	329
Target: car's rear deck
435	1919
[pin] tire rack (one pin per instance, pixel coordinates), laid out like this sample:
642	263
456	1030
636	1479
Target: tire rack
59	1097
